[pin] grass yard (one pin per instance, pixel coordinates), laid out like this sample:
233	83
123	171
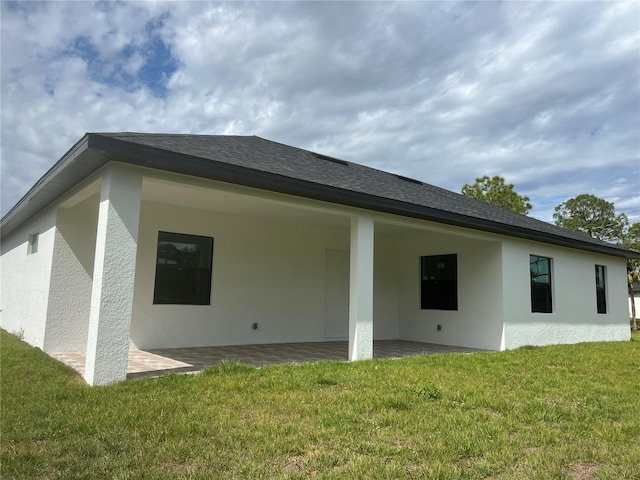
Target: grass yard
533	413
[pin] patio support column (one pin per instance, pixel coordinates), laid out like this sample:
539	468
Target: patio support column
113	276
361	289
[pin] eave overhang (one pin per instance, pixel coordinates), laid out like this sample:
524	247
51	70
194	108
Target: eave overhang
94	151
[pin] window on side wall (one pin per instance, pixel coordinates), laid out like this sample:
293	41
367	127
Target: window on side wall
183	269
32	248
540	269
601	288
439	282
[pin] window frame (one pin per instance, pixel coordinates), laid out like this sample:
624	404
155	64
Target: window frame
178	281
601	291
439	293
538	288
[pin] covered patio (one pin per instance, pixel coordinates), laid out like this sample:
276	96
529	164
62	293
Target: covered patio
271	269
154	362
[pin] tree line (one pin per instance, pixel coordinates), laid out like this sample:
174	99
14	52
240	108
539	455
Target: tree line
585	213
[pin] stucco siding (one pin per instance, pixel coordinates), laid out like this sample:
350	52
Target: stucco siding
574	318
71	277
269	260
478	321
25	278
386	288
265	271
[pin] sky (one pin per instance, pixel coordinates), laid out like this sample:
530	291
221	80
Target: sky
544	94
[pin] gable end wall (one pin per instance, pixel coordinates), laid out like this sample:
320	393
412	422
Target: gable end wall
25	279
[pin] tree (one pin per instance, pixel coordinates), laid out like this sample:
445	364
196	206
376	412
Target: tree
594	216
632	242
497	192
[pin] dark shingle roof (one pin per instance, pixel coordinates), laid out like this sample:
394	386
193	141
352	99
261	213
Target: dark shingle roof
261	163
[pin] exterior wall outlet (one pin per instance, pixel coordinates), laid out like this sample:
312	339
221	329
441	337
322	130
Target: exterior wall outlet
439	328
254	326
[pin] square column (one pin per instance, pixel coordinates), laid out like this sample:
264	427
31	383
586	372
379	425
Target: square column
113	276
361	289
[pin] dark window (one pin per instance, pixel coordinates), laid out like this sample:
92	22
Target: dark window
439	282
540	268
183	269
601	289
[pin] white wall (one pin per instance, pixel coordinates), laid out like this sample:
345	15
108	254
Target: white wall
574	318
386	288
71	277
265	271
25	278
272	272
478	321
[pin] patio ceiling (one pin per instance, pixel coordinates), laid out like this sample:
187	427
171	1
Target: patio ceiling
230	199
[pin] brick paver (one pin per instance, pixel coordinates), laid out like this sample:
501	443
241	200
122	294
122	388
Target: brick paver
154	362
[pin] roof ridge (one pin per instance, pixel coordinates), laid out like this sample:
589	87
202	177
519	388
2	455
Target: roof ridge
159	134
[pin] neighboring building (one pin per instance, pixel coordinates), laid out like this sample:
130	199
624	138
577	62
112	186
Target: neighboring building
152	240
636	299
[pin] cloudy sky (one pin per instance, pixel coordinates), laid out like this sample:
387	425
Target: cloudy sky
545	94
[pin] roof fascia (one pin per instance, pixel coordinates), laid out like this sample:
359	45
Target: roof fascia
23	204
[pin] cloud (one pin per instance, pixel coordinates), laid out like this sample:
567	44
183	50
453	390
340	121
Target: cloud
545	94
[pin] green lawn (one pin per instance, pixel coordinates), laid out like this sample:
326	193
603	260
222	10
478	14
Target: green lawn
550	412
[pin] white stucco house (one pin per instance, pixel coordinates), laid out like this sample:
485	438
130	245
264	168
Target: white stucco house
134	241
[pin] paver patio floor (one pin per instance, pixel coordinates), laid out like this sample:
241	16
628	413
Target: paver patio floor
145	363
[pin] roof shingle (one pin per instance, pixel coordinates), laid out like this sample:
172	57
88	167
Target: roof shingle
254	161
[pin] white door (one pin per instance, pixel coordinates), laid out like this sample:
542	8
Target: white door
336	294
